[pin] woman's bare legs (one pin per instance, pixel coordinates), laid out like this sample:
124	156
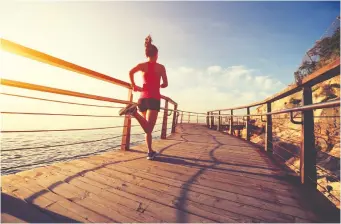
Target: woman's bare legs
151	118
147	122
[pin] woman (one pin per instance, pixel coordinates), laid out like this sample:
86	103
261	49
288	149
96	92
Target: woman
149	102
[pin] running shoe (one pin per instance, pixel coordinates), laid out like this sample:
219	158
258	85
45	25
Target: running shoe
151	155
128	110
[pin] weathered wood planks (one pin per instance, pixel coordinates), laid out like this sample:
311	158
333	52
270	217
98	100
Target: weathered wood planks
200	176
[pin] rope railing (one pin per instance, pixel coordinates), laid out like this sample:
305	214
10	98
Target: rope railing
286	139
281	147
296	169
327	172
324	188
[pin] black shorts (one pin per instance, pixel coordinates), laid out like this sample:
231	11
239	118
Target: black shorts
145	104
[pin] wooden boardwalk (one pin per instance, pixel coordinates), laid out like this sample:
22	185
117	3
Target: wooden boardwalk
200	176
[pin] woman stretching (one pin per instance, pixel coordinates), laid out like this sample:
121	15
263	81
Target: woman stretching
149	102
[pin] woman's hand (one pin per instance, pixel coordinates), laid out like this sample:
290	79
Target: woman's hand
133	87
163	85
136	88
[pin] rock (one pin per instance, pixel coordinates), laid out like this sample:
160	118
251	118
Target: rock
322	143
335	151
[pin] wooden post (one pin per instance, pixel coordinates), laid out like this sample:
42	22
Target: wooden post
268	130
164	123
189	117
182	114
197	119
127	126
208	119
212	120
231	123
308	151
219	121
248	133
174	117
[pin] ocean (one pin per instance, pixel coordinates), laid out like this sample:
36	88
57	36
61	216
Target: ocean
24	151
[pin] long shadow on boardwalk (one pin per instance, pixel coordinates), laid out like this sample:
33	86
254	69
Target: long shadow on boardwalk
182	199
16	210
182	202
54	185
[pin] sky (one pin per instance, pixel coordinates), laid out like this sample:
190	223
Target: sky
216	54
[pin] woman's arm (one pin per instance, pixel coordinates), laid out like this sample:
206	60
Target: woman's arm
137	68
164	78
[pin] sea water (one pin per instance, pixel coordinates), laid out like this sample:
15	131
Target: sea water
24	151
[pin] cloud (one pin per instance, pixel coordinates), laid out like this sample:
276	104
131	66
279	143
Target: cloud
217	87
214	69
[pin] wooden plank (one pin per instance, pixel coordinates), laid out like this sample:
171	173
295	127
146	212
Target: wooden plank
25	195
67	215
104	210
201	176
155	194
71	208
57	177
208	183
240	198
8	218
18	208
212	175
150	195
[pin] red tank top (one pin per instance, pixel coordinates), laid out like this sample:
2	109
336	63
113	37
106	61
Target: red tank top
151	83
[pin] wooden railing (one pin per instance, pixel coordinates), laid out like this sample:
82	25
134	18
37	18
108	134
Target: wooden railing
23	51
308	173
